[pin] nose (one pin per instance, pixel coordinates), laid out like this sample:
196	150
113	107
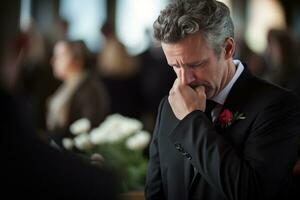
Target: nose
187	75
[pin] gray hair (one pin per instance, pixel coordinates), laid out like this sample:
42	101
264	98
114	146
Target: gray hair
185	17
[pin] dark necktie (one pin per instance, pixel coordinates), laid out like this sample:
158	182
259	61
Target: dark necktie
210	105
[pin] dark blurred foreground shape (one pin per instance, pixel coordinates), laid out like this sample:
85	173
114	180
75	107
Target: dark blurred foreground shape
31	169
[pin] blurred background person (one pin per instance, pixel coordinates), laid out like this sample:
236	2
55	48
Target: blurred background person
59	31
254	61
27	68
156	79
120	74
282	59
81	95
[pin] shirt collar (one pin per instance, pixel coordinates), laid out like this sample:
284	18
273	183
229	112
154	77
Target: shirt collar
221	96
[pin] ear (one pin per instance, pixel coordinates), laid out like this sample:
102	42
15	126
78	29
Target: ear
229	47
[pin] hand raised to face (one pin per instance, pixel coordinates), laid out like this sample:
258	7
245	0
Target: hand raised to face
185	99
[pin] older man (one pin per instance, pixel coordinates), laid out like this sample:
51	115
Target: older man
221	133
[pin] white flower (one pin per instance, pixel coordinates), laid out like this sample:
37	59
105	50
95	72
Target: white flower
68	143
82	142
138	141
98	136
115	128
80	126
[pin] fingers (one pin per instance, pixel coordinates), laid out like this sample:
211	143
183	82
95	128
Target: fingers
200	90
180	76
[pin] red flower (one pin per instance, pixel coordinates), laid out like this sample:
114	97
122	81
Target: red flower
226	118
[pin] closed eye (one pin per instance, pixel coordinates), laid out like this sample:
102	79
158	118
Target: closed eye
191	65
194	65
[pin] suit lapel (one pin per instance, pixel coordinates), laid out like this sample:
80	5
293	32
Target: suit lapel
235	101
239	91
238	96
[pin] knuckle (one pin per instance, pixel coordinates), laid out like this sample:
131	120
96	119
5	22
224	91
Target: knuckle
171	92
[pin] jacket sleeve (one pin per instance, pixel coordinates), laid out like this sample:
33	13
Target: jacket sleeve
154	187
260	170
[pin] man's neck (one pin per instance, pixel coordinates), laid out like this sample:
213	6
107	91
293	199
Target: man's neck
231	69
232	74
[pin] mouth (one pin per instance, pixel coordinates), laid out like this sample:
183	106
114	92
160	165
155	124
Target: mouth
207	87
195	85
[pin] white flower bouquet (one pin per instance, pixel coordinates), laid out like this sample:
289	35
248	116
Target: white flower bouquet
121	142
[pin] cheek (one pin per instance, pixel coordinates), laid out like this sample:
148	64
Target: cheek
216	72
204	74
60	67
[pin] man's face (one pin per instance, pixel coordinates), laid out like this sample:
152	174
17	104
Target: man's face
197	63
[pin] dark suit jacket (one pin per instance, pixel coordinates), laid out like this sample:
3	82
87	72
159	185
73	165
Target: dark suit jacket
251	159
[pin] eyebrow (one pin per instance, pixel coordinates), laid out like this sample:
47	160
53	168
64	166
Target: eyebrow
192	63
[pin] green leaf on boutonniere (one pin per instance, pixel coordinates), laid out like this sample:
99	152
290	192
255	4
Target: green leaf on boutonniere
227	118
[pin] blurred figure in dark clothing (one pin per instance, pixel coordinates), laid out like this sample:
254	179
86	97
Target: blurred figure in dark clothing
282	59
156	78
26	69
119	72
254	61
31	169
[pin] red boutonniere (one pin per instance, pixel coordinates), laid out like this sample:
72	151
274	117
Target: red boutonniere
226	118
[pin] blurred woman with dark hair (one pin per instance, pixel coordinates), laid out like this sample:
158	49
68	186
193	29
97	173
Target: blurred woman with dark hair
81	95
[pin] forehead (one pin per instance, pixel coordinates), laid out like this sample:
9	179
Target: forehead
192	47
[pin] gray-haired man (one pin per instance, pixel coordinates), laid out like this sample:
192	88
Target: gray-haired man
221	133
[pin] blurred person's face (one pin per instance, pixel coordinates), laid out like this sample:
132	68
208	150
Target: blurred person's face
198	64
62	61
